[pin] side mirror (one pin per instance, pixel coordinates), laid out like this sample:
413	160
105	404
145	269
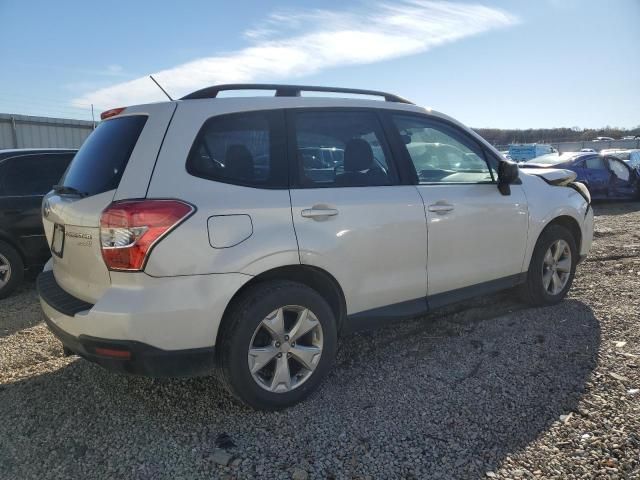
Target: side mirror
508	173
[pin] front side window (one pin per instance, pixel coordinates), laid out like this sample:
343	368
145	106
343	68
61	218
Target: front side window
341	149
33	174
595	163
441	154
242	149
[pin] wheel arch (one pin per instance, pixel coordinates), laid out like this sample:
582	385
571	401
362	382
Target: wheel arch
313	277
5	237
570	224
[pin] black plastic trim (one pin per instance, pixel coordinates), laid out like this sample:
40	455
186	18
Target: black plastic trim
145	359
381	316
57	298
453	296
289	91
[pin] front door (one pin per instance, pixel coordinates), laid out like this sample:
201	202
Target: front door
476	236
352	217
595	174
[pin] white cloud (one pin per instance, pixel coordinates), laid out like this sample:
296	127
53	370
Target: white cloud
288	45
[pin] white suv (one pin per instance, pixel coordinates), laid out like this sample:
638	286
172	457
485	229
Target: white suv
244	235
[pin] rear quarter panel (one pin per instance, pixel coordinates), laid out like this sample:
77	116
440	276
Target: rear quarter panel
188	250
135	180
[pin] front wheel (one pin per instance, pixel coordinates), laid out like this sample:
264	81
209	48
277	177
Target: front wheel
277	344
552	267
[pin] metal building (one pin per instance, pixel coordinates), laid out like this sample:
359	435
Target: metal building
23	131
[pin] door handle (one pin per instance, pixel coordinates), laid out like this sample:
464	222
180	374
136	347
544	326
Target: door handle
440	208
319	212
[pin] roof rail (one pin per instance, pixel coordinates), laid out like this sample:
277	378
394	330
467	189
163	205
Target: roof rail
288	91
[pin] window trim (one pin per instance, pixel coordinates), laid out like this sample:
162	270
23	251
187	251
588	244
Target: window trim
292	147
488	157
278	143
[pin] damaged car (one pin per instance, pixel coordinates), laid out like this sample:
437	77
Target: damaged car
606	176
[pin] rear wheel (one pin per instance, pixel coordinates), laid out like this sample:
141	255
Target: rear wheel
11	269
277	344
552	267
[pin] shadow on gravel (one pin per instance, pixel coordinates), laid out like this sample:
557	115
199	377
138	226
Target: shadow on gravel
614	207
446	396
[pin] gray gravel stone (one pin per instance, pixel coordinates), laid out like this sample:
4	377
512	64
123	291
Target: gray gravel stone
221	457
299	474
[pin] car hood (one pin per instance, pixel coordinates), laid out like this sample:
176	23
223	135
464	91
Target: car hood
553	176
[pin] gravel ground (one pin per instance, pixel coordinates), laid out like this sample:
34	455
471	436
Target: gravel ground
488	389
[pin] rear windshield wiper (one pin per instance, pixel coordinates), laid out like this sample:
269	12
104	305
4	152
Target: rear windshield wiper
64	189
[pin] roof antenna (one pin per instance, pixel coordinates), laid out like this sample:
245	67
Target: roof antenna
160	87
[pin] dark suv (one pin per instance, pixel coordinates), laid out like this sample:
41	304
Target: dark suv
26	175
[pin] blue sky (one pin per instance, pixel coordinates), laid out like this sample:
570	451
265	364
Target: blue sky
509	64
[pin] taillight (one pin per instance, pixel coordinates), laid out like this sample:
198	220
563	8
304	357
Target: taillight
130	229
111	113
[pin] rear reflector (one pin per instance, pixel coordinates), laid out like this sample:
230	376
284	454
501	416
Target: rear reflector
110	352
111	113
130	229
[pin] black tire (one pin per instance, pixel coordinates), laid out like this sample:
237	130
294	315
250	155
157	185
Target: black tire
16	266
533	291
239	325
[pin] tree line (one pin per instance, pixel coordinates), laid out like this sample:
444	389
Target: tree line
498	136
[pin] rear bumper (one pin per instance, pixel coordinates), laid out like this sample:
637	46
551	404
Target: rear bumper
142	359
152	326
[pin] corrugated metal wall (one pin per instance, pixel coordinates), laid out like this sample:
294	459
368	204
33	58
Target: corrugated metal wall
23	131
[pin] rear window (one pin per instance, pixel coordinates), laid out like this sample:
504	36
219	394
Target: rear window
99	164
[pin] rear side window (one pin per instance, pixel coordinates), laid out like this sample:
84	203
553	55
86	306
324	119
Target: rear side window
341	149
99	164
33	174
243	149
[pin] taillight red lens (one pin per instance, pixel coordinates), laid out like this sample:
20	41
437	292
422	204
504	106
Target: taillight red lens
130	229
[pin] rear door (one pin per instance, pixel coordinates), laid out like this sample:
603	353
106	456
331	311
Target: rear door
115	162
24	180
475	234
352	216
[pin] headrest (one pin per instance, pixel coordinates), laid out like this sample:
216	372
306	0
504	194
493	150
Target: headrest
239	162
358	155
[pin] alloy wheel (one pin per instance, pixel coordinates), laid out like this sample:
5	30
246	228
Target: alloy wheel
556	268
285	349
5	270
